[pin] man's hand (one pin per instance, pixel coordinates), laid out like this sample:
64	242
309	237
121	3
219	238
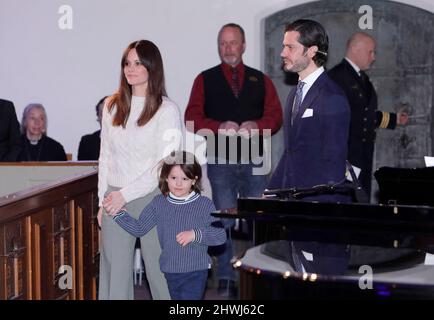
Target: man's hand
228	128
185	237
113	202
248	129
402	118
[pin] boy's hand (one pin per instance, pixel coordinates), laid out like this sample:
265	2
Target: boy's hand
113	202
185	237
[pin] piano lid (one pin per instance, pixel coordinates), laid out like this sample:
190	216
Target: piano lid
396	216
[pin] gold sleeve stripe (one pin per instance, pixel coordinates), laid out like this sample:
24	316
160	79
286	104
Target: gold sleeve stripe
385	120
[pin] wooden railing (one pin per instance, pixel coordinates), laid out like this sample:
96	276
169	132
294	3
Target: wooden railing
49	240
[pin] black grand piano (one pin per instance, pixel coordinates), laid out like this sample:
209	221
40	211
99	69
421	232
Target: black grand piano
406	186
326	250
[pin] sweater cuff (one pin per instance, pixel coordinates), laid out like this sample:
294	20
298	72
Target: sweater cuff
126	194
119	214
197	235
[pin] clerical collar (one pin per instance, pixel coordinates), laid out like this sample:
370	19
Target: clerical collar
34	142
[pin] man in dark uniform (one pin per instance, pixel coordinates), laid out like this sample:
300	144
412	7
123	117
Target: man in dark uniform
10	142
365	118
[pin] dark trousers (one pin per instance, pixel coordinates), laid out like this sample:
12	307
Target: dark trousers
187	285
228	181
361	155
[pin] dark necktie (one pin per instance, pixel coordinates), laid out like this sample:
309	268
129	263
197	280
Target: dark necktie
297	100
235	85
365	79
366	83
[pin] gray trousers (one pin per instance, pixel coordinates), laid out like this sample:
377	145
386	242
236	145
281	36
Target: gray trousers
116	257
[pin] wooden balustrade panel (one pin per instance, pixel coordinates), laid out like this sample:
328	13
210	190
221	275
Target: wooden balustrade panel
49	241
13	260
87	244
63	251
41	252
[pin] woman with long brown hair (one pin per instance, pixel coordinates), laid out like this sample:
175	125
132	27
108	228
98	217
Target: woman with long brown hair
139	127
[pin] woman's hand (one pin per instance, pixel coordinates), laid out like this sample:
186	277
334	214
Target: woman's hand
185	237
114	202
99	216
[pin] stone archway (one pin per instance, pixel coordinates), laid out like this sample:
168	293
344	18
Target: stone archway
402	74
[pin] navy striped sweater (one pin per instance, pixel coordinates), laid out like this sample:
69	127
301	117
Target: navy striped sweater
172	216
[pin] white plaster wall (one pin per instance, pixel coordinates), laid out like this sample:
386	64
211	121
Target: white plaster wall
69	70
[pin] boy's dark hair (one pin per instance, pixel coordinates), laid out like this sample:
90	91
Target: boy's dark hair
188	164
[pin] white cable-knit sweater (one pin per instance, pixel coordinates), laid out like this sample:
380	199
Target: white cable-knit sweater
129	156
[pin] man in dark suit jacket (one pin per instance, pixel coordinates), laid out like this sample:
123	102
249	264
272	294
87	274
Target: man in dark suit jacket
365	118
89	146
10	142
317	123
